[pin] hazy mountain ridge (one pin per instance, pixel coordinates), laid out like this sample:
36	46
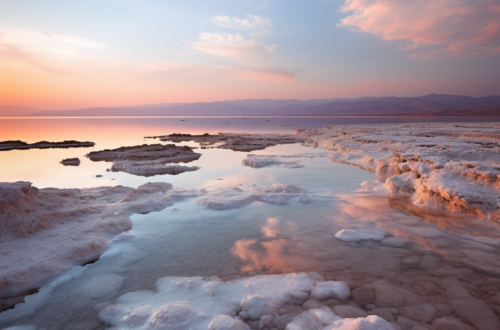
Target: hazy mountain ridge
426	105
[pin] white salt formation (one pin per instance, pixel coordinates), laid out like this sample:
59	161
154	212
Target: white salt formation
46	231
435	165
226	198
259	161
148	160
260	302
234	141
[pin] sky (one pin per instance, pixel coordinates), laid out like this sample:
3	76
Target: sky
60	54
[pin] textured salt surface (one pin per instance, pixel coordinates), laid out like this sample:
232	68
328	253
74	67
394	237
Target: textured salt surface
258	161
19	145
148	160
260	302
46	231
435	165
226	198
234	141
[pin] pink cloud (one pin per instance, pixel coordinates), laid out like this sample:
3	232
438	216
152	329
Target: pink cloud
451	26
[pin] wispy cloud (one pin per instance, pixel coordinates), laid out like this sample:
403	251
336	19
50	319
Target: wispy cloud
54	44
231	45
259	25
447	26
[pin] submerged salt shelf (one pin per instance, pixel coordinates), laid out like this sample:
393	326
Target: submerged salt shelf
191	267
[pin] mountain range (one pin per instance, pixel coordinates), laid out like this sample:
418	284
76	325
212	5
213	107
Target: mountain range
427	105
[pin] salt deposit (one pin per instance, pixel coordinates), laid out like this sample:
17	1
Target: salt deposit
20	145
148	160
259	302
258	161
226	198
436	165
234	141
45	231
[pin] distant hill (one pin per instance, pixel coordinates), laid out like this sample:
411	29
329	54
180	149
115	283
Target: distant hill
16	110
249	107
426	105
376	106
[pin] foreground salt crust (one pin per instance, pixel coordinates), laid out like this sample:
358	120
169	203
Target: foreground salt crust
259	161
231	197
436	165
46	231
233	141
148	160
192	303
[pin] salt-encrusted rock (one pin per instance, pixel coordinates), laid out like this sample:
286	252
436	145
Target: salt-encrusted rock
19	145
364	295
371	322
484	261
476	312
234	141
457	292
257	306
384	313
313	319
348	311
358	235
411	261
449	323
420	313
311	304
331	289
148	160
428	262
387	295
394	242
174	316
71	162
224	322
66	226
434	165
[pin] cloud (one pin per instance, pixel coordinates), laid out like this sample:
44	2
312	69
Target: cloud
446	26
260	25
58	46
231	45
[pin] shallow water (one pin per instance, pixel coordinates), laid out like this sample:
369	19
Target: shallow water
190	240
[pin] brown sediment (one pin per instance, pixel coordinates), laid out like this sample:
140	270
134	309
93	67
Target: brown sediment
20	145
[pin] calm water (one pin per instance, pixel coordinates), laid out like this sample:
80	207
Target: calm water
255	239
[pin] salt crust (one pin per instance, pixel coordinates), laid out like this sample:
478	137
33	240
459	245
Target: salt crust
192	303
234	141
46	231
148	159
259	161
435	165
225	198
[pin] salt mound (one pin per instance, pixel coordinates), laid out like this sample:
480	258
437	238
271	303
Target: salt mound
46	231
331	289
358	235
435	165
234	141
148	160
225	198
186	303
